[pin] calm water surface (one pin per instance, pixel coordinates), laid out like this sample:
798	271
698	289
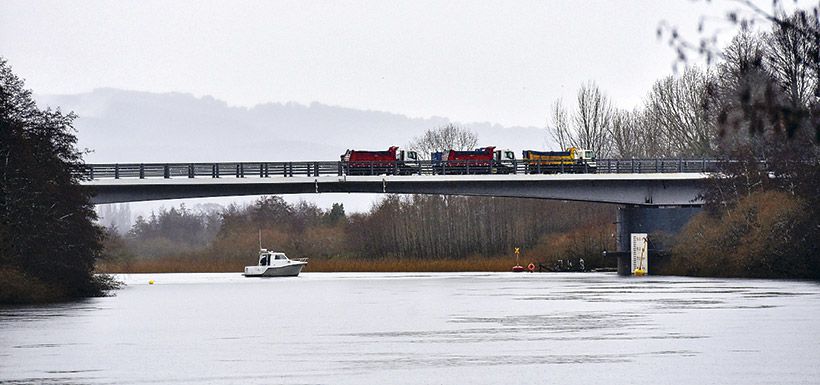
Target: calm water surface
322	328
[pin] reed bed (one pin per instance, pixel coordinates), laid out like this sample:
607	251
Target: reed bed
389	265
170	265
383	265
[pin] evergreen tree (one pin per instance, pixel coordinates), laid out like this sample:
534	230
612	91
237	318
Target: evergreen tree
47	232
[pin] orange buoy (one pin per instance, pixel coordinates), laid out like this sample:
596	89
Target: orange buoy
531	267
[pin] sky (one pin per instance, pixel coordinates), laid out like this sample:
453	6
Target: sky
501	62
470	61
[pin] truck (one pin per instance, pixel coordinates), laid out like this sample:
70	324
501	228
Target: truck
572	160
483	160
390	162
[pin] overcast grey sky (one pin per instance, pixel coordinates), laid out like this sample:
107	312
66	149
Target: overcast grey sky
503	62
470	61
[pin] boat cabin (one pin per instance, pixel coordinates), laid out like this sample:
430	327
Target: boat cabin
275	264
268	258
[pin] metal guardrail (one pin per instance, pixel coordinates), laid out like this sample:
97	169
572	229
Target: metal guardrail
620	166
291	169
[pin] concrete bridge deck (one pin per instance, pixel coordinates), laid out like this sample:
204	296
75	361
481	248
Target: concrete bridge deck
649	189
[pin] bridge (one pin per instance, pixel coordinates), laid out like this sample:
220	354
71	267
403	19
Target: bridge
645	182
654	195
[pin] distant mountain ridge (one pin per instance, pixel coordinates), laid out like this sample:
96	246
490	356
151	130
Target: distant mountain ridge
134	126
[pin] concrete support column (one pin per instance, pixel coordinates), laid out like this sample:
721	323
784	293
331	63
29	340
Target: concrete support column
660	223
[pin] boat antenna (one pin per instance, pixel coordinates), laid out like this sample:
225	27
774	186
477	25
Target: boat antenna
260	239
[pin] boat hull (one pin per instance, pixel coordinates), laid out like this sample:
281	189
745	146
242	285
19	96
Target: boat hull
289	270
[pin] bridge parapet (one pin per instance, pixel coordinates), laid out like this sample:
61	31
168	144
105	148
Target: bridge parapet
443	168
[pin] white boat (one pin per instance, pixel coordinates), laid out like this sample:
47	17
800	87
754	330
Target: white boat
275	264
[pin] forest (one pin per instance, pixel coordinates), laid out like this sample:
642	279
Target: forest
426	232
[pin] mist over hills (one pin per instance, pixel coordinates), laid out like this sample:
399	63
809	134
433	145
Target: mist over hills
133	126
121	126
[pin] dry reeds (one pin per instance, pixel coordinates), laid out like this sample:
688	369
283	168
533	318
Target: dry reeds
170	265
193	265
391	265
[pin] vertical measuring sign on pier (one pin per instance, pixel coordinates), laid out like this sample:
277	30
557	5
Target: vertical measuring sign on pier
640	253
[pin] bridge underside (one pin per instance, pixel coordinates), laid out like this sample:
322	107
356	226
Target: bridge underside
643	189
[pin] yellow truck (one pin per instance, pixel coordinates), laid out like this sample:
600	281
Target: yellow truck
572	160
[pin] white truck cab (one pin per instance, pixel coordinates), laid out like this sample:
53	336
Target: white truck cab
585	156
502	155
407	156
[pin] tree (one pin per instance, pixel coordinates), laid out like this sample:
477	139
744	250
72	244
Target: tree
593	119
746	93
789	57
589	126
745	15
444	138
794	54
336	213
47	229
757	101
680	109
270	211
628	135
560	131
743	55
761	214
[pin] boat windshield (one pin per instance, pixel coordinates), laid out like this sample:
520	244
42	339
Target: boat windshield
280	256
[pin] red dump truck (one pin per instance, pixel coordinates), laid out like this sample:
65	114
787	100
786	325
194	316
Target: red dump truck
390	162
484	160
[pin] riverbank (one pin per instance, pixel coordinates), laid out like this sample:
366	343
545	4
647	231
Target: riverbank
383	265
19	288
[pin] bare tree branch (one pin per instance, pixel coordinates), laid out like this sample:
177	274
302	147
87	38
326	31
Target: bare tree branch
444	138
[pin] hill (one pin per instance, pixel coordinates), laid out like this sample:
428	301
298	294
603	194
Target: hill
133	126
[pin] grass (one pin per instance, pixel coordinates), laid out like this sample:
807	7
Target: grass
191	265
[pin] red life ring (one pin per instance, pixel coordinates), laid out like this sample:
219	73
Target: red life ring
531	267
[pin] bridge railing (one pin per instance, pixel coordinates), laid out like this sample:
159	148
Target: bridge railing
621	166
325	168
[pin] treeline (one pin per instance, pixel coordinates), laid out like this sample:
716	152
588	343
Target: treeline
758	108
174	228
765	82
762	216
432	226
413	227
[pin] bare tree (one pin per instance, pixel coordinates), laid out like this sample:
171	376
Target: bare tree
742	56
749	98
627	135
745	15
789	58
681	109
799	34
592	120
589	126
447	137
559	130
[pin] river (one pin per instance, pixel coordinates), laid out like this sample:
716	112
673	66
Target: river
460	328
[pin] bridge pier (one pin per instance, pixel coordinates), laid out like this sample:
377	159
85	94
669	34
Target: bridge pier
661	223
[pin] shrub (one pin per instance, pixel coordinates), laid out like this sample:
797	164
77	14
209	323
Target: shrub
767	234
